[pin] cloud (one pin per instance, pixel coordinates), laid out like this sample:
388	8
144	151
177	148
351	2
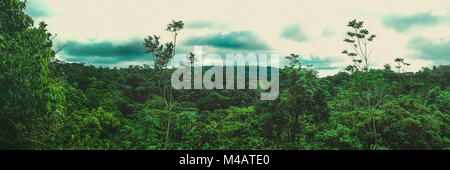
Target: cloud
105	52
438	52
38	9
318	63
402	23
293	32
328	32
237	40
75	20
206	24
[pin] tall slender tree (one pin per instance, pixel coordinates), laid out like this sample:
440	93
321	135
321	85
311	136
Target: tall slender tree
162	54
358	38
174	27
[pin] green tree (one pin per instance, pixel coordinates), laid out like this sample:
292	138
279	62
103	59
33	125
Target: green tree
143	130
294	60
30	100
303	95
162	56
359	39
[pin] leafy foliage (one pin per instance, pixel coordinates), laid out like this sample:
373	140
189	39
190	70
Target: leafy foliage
49	104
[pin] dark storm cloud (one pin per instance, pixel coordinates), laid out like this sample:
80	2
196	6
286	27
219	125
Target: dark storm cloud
318	63
106	52
438	52
237	40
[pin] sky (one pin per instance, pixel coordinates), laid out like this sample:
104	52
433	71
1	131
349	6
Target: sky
111	33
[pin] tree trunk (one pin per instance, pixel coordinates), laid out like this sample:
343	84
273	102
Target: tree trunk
167	132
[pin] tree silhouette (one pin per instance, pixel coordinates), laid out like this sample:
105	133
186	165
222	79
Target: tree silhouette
359	39
294	60
174	27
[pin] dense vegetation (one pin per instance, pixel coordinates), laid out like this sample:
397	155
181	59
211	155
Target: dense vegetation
50	104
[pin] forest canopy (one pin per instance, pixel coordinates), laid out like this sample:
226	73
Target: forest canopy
46	103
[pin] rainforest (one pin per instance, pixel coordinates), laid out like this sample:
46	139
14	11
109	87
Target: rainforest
50	104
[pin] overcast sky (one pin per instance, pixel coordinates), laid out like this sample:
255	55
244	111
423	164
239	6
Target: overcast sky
111	32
